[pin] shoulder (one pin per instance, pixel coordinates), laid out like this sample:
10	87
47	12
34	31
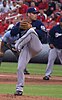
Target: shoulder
39	22
53	30
54	27
17	24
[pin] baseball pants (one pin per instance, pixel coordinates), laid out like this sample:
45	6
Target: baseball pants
31	47
53	54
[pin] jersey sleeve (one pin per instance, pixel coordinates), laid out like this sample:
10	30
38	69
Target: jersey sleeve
51	36
15	30
42	33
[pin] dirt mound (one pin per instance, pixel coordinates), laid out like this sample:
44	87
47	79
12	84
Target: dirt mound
24	97
29	79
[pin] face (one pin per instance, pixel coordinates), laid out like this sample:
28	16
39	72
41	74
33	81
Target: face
32	16
32	4
4	3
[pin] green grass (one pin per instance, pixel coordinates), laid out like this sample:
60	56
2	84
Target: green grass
32	68
7	88
36	90
7	67
44	90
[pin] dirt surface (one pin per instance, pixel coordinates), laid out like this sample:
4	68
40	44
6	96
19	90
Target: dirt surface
29	79
12	97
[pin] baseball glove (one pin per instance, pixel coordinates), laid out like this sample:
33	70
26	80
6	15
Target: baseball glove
25	25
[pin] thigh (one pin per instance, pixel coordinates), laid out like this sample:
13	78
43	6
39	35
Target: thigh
35	44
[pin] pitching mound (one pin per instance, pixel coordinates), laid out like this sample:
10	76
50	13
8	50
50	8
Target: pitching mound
12	97
29	79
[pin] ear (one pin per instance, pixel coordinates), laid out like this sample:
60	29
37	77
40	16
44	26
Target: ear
28	14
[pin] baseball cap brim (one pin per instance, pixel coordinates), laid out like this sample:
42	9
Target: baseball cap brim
35	12
32	10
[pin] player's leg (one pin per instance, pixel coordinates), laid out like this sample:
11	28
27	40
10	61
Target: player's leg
24	58
26	54
51	59
26	72
2	51
60	55
35	45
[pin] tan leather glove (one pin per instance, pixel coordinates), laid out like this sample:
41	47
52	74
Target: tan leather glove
25	25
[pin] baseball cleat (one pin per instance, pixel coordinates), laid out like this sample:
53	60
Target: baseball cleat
46	78
26	72
18	93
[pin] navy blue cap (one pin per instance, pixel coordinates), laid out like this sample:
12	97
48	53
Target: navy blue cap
32	10
61	20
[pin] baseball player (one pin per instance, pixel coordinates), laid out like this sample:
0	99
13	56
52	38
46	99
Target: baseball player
56	48
29	45
8	40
